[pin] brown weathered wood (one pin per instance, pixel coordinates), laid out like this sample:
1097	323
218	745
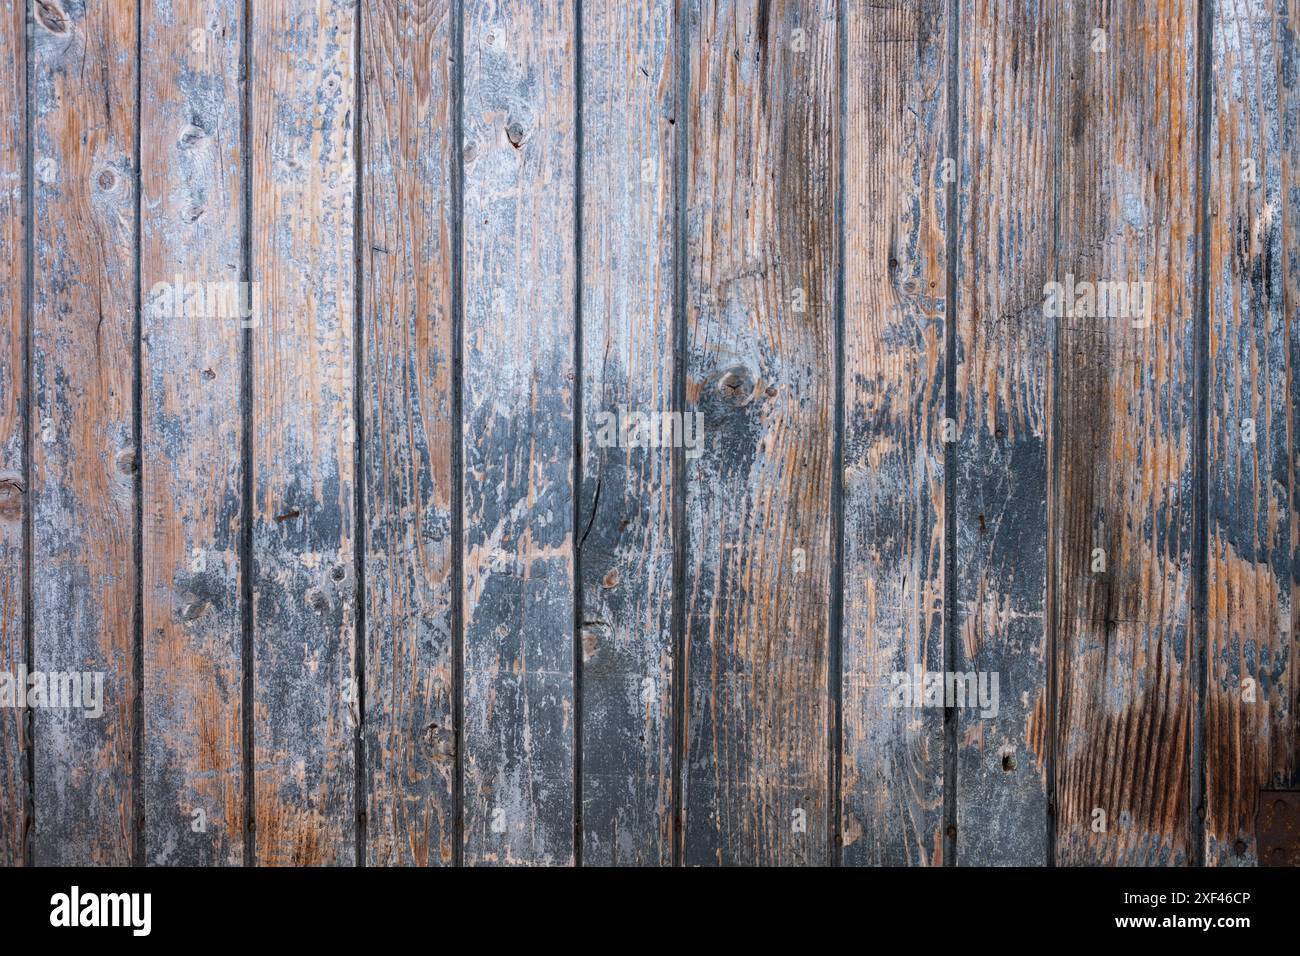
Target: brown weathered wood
1009	126
519	376
13	481
406	255
895	282
1125	137
191	333
763	134
1254	349
625	517
83	451
306	700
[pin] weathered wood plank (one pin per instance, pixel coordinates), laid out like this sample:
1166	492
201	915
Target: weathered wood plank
13	424
519	262
1254	349
83	454
305	695
191	332
407	331
895	279
1126	106
1004	375
625	521
763	134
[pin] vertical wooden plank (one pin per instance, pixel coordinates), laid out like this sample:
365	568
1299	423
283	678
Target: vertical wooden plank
519	261
895	281
191	330
13	481
626	505
1127	108
406	254
305	697
763	134
83	449
1254	393
1004	375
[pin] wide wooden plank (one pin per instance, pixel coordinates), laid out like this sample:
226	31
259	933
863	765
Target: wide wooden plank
191	334
1254	397
625	516
895	287
763	135
13	422
1007	188
406	349
1125	95
83	452
306	700
519	375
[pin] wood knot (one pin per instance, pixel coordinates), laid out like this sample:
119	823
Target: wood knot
51	16
191	136
736	386
126	461
515	133
106	180
610	580
11	496
317	601
193	611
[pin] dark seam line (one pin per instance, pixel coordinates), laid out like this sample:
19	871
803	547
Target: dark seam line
1051	584
835	665
246	447
950	450
1201	388
137	416
457	427
577	440
28	725
681	145
360	524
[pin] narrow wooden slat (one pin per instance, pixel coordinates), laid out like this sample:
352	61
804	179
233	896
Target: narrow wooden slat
407	389
1126	108
1004	377
1254	393
626	497
191	330
763	134
304	646
83	449
519	376
13	481
895	281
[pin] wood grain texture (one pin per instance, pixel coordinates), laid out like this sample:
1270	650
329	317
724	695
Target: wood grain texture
304	599
83	129
406	252
1254	347
763	135
625	522
190	262
895	277
1126	108
519	276
1007	190
13	423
